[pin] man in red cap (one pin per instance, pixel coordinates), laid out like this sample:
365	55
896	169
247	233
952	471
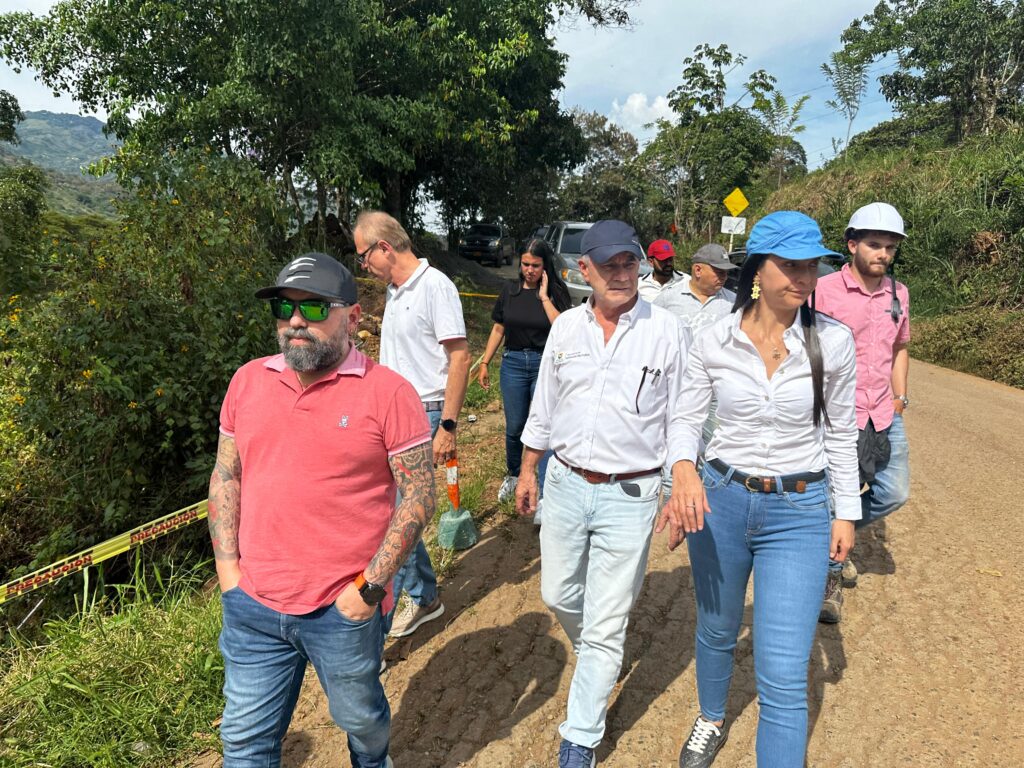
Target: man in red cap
660	255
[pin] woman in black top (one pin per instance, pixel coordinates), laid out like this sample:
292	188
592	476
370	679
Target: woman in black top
522	317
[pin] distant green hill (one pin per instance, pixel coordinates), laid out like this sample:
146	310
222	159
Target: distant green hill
62	145
61	142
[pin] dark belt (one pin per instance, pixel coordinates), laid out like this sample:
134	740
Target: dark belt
433	405
795	483
603	477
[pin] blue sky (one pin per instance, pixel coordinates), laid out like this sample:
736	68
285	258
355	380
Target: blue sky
627	73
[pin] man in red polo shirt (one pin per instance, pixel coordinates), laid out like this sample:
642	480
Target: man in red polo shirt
865	297
314	443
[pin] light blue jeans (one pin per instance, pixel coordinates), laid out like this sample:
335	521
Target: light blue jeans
265	656
416	576
593	547
891	487
783	538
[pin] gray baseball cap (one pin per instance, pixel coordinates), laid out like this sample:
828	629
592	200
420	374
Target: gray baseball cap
315	273
715	256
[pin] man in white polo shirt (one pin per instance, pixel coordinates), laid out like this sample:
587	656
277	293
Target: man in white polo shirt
700	298
608	378
423	337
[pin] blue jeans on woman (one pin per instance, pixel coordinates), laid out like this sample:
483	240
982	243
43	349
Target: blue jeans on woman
784	539
265	655
519	368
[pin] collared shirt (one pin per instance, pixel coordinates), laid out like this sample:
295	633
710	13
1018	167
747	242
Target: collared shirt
695	314
317	492
419	314
649	288
605	407
767	425
877	335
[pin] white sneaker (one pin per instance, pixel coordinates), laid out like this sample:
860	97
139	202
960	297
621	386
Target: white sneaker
508	488
412	616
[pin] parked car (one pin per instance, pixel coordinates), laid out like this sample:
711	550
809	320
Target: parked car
488	243
826	266
564	237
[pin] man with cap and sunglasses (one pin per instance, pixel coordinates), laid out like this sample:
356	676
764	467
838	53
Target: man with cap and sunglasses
302	514
608	378
868	299
661	256
700	298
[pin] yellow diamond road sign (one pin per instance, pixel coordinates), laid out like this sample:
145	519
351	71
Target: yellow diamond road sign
736	202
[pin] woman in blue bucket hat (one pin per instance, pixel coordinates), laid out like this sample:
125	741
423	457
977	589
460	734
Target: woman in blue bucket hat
759	501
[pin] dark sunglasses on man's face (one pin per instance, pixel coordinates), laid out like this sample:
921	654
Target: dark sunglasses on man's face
313	310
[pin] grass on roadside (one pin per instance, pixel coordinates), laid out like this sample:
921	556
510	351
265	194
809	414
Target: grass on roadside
108	690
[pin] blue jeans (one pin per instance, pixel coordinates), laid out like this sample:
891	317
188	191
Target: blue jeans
593	554
416	576
265	655
783	538
891	487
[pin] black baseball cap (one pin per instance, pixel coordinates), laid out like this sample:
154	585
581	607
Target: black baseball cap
608	238
315	273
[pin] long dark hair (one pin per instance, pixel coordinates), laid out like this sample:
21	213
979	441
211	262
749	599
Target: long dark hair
808	320
557	289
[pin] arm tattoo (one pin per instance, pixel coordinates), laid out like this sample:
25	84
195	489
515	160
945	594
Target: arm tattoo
414	473
224	503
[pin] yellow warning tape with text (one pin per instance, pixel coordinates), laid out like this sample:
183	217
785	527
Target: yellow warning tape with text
473	295
103	551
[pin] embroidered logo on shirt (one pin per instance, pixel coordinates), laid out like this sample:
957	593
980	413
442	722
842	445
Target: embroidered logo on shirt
564	357
343	422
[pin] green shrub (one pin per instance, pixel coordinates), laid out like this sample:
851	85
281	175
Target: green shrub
116	366
984	342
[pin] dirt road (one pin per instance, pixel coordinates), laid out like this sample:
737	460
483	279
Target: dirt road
921	672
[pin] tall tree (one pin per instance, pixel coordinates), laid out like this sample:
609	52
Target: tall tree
340	96
10	116
969	53
783	120
848	76
600	186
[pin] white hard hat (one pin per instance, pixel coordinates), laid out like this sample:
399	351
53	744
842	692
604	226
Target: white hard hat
880	217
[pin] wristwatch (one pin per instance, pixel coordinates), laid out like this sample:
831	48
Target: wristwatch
449	425
371	593
903	399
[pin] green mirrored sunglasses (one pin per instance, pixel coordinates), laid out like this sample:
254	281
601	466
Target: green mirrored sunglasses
313	310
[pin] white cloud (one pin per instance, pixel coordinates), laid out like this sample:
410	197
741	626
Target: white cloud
638	112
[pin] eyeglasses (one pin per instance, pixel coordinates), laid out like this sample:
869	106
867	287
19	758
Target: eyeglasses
362	257
313	310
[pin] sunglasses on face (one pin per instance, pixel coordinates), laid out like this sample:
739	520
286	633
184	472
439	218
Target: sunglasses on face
313	310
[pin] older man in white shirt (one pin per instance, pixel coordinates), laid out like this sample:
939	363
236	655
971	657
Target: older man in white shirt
700	298
608	379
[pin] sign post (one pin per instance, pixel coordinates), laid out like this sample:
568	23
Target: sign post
736	202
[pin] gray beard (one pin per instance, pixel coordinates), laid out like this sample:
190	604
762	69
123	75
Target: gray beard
315	356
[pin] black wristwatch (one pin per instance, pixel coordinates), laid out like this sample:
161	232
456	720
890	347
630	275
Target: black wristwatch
371	593
449	425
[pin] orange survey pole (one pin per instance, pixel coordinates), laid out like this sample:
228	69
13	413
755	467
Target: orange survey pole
455	529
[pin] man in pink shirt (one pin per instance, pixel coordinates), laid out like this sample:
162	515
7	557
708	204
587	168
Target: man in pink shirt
314	443
877	309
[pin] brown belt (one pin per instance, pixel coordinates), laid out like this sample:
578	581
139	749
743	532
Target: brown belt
596	478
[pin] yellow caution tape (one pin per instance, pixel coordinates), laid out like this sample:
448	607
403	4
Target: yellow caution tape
103	551
475	295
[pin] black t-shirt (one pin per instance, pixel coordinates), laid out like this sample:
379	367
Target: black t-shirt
526	324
